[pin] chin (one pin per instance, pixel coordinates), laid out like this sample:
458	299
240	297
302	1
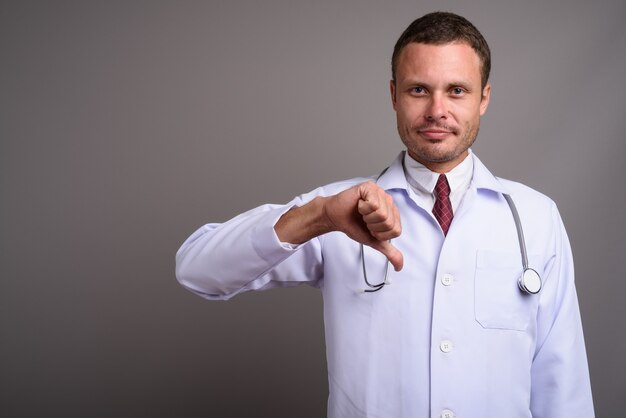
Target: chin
436	156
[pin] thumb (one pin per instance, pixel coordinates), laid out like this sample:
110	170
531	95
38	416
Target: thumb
394	255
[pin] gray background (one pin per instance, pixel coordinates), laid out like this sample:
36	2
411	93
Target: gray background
125	125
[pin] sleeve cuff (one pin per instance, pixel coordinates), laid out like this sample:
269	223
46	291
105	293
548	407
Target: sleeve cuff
266	242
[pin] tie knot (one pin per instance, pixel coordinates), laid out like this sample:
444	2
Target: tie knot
442	188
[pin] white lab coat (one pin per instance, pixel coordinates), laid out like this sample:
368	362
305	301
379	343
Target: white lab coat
452	336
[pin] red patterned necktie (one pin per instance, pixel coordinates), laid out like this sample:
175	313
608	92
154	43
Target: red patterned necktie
443	208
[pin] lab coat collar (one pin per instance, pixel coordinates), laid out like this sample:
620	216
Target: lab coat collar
394	178
483	179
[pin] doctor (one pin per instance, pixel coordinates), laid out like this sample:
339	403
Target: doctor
452	335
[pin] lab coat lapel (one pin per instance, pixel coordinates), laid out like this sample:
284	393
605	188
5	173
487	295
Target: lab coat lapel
394	178
483	183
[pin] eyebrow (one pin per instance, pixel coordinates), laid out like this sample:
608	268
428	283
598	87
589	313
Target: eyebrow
458	83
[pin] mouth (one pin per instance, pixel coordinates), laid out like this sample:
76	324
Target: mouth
434	133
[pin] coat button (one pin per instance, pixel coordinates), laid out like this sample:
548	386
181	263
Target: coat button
446	413
447	279
446	346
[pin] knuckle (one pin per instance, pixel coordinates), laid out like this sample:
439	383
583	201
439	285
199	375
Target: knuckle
370	186
375	218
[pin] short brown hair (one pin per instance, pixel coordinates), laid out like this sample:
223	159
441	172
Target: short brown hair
440	28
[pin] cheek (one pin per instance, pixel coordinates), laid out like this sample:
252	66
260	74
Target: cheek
467	111
408	112
405	121
464	118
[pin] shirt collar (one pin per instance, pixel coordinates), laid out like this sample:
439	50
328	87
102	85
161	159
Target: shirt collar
394	176
419	176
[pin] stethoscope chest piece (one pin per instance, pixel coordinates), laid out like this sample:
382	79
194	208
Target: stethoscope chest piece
529	282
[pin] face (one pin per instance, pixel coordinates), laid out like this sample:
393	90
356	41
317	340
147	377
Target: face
438	101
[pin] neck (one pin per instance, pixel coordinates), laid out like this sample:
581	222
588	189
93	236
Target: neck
440	167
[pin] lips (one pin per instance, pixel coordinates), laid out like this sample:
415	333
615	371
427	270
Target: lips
434	133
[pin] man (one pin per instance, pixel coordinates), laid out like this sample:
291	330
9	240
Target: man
454	335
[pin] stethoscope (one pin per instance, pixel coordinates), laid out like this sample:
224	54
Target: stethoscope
529	282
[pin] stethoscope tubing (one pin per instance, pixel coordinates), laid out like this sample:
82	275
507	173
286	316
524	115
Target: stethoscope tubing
529	282
373	287
520	232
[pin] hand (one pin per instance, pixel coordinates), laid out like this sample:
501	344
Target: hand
367	214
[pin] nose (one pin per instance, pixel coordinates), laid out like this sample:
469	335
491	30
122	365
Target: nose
437	108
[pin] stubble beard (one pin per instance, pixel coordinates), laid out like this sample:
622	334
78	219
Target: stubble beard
429	151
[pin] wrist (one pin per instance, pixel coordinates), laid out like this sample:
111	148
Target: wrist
303	223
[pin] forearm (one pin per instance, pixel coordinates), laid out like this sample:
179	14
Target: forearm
303	223
220	260
364	212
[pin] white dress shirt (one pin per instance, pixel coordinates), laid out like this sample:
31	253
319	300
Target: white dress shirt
452	336
422	180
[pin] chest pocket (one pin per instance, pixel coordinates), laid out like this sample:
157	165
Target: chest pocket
498	301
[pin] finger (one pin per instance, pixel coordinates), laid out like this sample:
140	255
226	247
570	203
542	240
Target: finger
379	210
386	235
384	226
380	215
391	225
394	255
372	198
396	214
368	205
389	228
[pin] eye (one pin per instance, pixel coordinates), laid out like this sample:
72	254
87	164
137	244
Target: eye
458	91
418	90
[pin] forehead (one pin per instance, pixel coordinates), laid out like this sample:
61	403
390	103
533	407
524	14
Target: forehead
453	60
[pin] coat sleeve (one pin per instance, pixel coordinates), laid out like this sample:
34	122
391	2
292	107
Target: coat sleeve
560	376
219	261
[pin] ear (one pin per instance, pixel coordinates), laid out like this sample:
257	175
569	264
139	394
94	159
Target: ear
392	89
484	99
